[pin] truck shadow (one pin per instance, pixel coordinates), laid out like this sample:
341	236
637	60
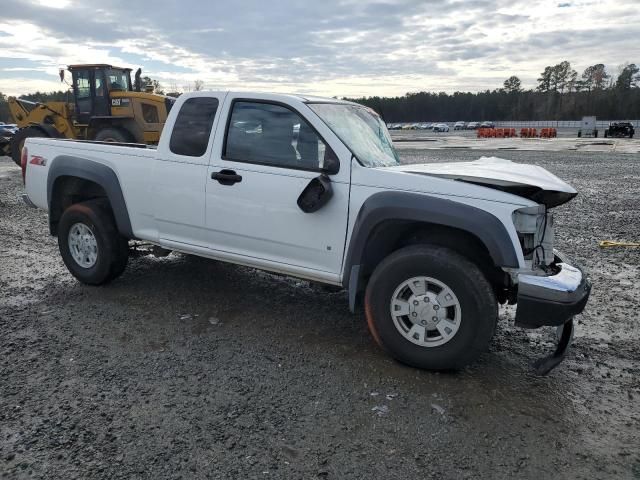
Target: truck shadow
243	332
279	316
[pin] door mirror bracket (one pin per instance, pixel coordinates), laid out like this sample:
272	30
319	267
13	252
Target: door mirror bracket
330	162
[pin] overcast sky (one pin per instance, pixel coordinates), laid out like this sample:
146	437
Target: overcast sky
326	47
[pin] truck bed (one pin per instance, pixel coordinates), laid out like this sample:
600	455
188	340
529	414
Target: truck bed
132	163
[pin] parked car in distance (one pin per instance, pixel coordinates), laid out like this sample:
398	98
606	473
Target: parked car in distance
313	188
473	125
487	125
620	130
440	127
7	128
459	126
7	131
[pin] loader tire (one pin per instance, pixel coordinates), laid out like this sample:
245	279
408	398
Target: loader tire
17	141
113	135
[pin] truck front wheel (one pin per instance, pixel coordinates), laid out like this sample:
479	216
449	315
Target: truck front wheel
431	308
89	242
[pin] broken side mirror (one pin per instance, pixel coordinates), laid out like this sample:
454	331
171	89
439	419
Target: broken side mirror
315	195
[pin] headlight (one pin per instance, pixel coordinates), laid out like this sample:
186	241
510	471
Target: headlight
535	232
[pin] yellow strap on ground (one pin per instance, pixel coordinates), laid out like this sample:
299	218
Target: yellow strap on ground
611	243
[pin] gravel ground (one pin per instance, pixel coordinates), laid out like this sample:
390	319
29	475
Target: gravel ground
189	368
462	140
561	132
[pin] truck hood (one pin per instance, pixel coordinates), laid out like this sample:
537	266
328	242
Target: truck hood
528	181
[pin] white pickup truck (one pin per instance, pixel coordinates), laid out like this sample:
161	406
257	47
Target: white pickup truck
313	188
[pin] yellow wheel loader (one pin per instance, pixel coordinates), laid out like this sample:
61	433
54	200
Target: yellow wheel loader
106	107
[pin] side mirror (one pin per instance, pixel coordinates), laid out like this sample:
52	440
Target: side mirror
315	195
330	163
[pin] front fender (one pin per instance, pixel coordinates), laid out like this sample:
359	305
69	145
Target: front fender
405	206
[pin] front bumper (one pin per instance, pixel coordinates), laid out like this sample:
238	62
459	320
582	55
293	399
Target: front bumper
552	300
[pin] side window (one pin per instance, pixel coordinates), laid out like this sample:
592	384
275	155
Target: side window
190	135
270	134
83	85
99	87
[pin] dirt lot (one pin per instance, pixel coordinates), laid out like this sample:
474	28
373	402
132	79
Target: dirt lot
462	140
188	368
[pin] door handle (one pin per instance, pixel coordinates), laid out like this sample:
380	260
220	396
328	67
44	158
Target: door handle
226	177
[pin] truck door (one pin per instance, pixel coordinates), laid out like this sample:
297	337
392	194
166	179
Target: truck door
101	106
264	157
83	93
92	96
180	173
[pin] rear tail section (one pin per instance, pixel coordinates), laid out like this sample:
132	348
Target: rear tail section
23	163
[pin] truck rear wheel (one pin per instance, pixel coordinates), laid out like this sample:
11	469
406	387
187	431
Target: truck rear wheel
113	135
431	308
90	245
17	142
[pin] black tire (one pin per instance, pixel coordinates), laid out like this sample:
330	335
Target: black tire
606	133
120	264
112	248
17	141
113	135
478	306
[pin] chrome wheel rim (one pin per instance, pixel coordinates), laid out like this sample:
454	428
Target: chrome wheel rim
83	245
426	311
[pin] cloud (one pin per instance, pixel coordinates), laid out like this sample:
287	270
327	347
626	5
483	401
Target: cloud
333	47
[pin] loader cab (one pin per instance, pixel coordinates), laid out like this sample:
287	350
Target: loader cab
93	86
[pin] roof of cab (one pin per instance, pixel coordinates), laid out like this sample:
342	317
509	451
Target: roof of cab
97	65
282	96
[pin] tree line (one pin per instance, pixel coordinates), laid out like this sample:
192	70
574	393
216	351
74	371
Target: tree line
67	96
561	94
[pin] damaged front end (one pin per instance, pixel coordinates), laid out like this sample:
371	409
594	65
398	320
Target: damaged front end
552	300
550	291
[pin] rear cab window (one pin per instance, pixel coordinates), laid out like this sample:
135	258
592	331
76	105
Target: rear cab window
193	125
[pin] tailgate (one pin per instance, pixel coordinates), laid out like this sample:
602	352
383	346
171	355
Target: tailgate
37	170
